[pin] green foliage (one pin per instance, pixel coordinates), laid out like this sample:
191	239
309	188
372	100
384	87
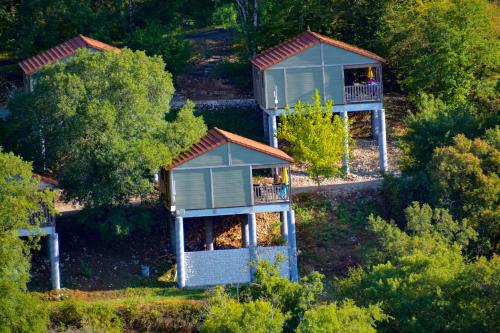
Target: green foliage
156	39
442	47
118	222
465	179
435	125
128	314
292	298
316	137
19	198
426	277
101	117
346	318
238	72
228	315
225	15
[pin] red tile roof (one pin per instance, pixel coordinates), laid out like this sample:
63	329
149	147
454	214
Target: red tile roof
217	137
298	44
62	51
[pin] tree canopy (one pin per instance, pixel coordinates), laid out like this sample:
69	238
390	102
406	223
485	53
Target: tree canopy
97	121
316	137
19	198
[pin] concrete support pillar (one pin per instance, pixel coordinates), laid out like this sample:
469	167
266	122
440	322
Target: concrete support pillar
209	234
273	130
245	238
252	231
265	123
382	141
179	242
171	231
54	261
292	247
284	226
345	160
374	124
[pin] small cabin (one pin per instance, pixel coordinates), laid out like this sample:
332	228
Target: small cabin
61	52
218	176
293	70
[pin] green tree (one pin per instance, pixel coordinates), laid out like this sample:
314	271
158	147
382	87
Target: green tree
19	198
100	117
465	179
435	125
316	137
443	47
426	276
156	39
344	318
230	316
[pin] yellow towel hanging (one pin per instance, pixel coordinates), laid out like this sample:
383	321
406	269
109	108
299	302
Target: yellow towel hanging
370	74
284	176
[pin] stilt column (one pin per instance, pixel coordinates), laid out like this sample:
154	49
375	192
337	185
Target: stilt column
179	242
245	240
345	160
273	129
374	125
292	247
382	141
284	226
252	228
209	234
54	261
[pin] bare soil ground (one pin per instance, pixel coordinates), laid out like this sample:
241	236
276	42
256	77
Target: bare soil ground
201	82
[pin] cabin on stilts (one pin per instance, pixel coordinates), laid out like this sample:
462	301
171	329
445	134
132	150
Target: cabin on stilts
294	69
217	177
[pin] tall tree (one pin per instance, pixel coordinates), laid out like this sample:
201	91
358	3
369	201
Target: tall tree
19	198
102	120
444	48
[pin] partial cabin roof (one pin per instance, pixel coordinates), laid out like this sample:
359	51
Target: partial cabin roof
62	51
217	137
299	43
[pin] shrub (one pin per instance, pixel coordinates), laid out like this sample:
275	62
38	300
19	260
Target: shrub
426	276
20	312
238	72
344	318
434	126
118	222
465	179
158	40
228	315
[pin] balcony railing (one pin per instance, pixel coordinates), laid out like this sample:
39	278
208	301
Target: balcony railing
42	217
362	93
271	193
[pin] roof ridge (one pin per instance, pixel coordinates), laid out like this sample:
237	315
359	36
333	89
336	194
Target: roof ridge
296	44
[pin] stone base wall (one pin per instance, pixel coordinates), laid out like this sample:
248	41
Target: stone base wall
208	268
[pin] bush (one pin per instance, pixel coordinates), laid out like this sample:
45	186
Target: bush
434	126
118	222
228	315
346	318
426	276
153	316
158	40
238	72
465	179
20	312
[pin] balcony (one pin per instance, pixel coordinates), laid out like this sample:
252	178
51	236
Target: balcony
362	93
263	194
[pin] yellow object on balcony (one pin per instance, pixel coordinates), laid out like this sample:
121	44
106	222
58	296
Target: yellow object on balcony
370	74
284	176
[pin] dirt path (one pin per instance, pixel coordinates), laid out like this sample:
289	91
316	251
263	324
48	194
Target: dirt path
202	82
